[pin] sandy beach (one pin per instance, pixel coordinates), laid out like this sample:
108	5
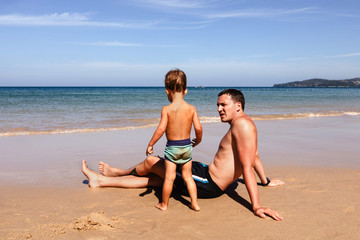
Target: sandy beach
43	194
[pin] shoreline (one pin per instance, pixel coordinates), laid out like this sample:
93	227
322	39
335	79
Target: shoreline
154	122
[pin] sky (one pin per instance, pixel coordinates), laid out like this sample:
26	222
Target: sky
216	43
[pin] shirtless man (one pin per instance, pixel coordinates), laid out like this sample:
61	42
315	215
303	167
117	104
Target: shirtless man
237	156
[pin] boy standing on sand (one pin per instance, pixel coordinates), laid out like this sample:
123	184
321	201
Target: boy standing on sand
176	121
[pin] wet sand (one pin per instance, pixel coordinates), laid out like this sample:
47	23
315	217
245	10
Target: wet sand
43	195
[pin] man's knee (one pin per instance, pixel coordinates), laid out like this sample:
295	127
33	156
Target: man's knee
155	180
151	161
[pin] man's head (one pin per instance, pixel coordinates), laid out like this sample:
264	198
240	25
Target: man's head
175	81
236	96
231	102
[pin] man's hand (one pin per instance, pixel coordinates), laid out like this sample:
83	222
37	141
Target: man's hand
262	212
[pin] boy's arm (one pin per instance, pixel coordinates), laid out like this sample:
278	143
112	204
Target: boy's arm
158	132
197	128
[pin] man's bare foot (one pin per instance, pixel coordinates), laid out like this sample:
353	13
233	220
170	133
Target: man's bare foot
194	207
91	175
275	182
107	170
161	206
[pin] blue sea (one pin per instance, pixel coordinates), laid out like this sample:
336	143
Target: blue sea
58	110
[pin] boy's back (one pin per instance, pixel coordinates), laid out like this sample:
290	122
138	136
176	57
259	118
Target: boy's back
180	117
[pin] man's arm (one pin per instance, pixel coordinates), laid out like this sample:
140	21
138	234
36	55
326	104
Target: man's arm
158	132
245	136
260	169
261	173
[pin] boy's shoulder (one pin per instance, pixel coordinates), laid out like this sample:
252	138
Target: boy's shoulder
184	106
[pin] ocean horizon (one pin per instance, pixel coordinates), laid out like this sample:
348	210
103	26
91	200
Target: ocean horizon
56	110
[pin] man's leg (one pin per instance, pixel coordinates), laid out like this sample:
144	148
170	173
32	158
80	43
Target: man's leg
129	181
151	164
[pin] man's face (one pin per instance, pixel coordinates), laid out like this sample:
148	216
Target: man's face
227	108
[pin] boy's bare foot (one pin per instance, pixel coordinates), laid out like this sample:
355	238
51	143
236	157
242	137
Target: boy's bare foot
91	175
194	207
275	182
107	170
161	206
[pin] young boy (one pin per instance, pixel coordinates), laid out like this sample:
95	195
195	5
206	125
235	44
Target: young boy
176	121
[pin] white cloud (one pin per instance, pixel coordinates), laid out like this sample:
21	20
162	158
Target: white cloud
64	19
82	19
347	15
187	4
113	44
356	54
126	44
258	13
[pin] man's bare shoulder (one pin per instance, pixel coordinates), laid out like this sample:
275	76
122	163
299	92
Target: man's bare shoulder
243	124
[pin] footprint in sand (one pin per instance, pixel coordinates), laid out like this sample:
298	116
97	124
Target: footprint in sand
349	209
293	180
315	189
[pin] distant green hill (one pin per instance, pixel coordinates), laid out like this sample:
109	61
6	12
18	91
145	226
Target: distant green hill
317	82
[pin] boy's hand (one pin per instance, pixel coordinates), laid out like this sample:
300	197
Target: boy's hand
149	150
194	142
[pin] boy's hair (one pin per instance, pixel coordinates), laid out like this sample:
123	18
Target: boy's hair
236	95
175	80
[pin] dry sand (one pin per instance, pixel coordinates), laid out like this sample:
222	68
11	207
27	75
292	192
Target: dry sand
42	194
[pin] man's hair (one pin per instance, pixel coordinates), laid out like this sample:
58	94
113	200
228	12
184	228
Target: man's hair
236	96
175	80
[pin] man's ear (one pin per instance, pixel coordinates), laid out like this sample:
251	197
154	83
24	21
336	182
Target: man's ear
238	106
185	92
167	91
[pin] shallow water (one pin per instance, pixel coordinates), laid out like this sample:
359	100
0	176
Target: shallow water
46	110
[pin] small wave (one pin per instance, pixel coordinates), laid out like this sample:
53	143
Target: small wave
69	131
22	132
302	115
209	119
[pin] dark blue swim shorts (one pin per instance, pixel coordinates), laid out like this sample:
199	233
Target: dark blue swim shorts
206	187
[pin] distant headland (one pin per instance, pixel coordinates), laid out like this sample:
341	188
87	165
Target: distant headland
318	82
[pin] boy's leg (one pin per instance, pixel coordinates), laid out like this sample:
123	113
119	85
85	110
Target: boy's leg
187	176
97	180
170	174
